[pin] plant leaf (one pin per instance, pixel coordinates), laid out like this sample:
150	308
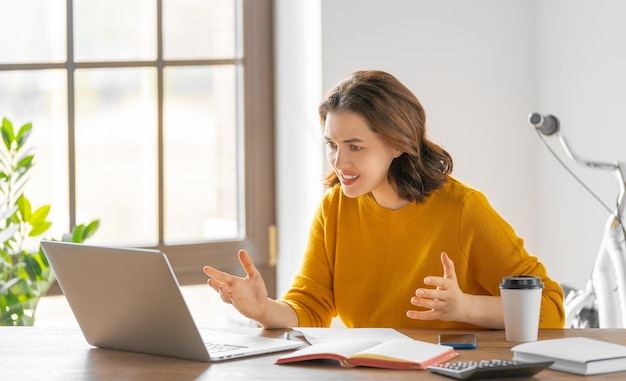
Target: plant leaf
26	160
23	134
19	184
39	228
8	213
32	267
39	215
43	258
5	261
8	233
78	233
91	229
10	283
7	133
23	207
24	165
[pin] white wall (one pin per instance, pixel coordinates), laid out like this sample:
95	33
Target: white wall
581	59
479	68
299	165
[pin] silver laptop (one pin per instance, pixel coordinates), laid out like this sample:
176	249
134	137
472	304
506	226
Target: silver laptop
129	299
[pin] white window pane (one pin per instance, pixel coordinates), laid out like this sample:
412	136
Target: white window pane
32	31
195	29
113	30
40	97
116	154
200	154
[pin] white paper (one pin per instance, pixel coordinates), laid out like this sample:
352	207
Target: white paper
322	335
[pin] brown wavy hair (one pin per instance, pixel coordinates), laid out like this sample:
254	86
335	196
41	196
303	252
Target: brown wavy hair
395	113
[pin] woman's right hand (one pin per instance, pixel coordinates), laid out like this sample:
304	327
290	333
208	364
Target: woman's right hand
248	295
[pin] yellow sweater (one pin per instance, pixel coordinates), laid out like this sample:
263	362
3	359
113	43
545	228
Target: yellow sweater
363	262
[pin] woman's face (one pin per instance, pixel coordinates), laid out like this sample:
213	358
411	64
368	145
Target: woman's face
360	158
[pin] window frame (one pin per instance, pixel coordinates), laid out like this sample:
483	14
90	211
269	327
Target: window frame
257	142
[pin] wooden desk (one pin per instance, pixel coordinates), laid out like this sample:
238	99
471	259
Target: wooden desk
28	353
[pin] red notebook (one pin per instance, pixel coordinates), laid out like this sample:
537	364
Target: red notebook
392	354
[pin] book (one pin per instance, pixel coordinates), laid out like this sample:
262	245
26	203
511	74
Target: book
402	353
579	355
316	335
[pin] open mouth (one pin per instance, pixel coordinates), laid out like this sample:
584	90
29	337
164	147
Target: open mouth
348	179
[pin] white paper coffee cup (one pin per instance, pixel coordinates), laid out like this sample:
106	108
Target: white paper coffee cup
521	303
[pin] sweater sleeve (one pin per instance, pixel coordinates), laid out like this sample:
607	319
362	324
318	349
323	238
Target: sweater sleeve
311	293
494	250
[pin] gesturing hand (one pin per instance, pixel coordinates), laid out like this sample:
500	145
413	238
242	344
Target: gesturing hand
248	295
445	302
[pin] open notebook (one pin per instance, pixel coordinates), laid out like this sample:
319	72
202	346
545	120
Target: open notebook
129	299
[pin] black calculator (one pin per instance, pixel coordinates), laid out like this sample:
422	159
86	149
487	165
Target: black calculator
484	369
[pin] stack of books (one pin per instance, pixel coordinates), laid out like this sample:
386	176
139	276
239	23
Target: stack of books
577	355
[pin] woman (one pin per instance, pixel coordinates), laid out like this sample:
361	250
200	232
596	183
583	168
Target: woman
392	221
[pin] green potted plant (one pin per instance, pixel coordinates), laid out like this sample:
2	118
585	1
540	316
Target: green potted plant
25	275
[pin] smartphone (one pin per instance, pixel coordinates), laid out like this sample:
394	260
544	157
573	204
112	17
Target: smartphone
458	340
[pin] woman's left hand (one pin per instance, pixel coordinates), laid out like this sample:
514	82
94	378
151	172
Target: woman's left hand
445	302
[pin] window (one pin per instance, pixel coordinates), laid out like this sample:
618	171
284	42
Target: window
154	116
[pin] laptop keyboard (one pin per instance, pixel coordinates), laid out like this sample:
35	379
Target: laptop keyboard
222	347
